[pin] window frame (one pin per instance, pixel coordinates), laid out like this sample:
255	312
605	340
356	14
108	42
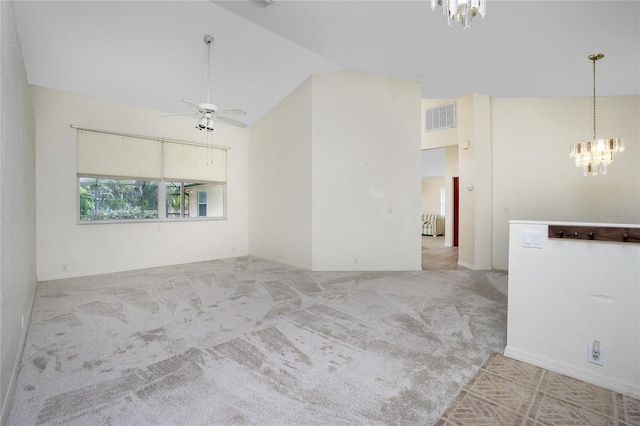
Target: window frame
162	179
162	200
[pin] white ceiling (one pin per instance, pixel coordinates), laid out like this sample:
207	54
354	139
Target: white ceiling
151	53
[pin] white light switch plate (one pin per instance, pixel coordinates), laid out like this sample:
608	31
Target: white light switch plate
532	239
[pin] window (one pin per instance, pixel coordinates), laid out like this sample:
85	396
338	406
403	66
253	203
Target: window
124	177
113	199
202	203
177	200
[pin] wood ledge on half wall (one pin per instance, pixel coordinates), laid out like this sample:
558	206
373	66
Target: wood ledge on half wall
596	233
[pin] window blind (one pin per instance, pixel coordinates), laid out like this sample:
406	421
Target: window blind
103	154
194	163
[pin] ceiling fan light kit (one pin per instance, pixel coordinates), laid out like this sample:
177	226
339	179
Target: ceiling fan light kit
461	11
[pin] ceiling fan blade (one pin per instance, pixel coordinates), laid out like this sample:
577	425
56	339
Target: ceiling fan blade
229	121
231	112
182	113
193	104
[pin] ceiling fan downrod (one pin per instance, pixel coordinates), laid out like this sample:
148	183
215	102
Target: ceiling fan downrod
208	40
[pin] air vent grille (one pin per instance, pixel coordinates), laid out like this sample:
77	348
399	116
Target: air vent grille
442	117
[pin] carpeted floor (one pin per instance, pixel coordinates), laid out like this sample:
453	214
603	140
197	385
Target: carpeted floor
248	341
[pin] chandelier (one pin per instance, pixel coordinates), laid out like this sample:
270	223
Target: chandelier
597	154
461	11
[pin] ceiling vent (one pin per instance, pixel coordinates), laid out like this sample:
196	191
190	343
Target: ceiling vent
442	117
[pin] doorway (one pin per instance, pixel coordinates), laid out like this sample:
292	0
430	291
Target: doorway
438	165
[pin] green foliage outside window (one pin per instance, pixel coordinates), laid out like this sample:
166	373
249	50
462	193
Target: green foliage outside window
114	199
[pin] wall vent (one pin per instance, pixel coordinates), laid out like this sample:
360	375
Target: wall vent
442	117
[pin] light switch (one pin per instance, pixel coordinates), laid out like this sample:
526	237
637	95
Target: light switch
532	239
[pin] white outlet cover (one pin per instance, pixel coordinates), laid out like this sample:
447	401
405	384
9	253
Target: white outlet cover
600	360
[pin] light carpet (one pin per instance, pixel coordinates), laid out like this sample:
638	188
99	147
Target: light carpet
249	341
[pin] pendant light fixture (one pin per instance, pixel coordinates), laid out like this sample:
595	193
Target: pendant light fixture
596	155
461	11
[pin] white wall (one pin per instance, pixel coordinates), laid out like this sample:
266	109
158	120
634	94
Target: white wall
518	164
97	248
431	195
474	131
433	162
280	182
569	293
473	138
17	205
533	177
335	184
366	172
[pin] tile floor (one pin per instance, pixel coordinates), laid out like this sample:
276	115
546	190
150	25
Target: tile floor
437	257
510	392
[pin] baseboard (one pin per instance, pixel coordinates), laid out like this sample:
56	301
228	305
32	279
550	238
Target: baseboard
16	365
576	373
469	266
85	273
282	261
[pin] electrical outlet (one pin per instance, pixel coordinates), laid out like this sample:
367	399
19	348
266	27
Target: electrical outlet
355	260
23	321
595	354
64	267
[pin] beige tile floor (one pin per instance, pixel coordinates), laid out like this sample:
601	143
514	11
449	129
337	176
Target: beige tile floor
510	392
437	257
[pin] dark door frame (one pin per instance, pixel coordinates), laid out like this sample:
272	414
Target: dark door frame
456	209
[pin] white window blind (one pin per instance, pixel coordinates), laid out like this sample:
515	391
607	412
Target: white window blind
105	154
194	163
102	154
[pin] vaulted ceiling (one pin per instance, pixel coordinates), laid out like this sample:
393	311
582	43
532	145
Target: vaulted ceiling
152	53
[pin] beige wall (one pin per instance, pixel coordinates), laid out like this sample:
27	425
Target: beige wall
366	172
518	164
335	184
431	195
97	248
17	205
474	143
533	177
280	182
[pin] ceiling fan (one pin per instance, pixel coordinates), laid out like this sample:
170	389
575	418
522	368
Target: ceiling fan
207	111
